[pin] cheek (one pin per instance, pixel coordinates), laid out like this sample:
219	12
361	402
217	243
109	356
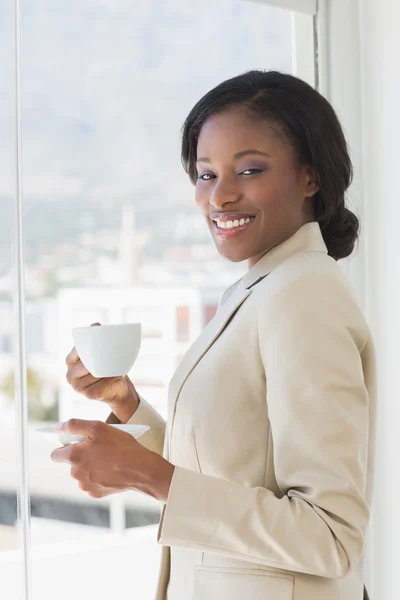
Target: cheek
201	198
276	193
269	197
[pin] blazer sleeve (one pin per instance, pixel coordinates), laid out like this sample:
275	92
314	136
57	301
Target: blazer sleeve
311	337
145	414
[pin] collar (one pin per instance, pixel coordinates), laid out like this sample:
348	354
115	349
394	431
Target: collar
306	239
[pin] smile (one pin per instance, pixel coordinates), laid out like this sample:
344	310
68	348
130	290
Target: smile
228	228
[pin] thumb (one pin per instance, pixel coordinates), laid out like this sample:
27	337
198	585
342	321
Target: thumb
95	325
80	427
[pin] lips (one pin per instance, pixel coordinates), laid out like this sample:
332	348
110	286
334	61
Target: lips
230	216
232	224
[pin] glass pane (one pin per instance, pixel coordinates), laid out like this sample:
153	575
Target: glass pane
113	235
10	542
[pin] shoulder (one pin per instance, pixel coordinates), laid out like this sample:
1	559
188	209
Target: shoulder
307	274
310	288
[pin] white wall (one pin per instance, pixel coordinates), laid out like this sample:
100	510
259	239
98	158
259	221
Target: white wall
362	81
380	52
343	90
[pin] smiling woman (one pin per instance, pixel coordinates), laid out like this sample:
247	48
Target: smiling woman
284	374
255	146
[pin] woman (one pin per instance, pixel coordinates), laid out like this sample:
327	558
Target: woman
266	471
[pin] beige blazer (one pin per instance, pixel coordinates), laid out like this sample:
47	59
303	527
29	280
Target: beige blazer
271	428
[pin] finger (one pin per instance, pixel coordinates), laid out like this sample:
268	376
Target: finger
94	388
96	492
79	370
83	383
90	429
95	325
61	455
72	358
84	485
75	373
76	472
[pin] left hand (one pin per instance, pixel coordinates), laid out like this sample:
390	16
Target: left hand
112	461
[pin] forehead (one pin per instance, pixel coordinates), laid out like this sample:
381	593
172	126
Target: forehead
234	130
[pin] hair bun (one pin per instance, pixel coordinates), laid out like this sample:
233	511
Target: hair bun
341	232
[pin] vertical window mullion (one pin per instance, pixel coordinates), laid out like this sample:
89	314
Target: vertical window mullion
21	399
322	51
303	36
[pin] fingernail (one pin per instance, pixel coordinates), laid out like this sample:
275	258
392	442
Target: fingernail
59	426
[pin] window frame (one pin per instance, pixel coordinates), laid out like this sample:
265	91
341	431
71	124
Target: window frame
304	35
19	310
309	7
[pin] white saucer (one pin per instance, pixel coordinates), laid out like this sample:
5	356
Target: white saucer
60	437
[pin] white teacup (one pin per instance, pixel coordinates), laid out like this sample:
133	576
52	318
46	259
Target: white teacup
108	350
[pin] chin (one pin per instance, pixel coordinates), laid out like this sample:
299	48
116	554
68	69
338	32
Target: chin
232	256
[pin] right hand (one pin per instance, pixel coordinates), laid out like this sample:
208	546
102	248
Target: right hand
118	392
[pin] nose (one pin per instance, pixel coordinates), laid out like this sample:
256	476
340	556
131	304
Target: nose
224	192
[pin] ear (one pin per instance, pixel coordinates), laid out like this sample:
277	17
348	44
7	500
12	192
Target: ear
311	185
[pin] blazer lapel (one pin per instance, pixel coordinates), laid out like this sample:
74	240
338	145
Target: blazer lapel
307	238
200	347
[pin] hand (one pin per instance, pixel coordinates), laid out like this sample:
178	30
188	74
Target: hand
118	392
112	461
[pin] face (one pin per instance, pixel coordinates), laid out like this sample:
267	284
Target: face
253	193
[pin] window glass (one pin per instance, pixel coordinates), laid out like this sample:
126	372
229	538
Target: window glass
112	235
182	323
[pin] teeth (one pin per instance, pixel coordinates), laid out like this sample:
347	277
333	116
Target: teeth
233	223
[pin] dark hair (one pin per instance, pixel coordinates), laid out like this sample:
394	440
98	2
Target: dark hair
309	123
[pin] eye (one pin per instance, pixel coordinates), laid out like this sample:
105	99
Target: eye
251	171
206	176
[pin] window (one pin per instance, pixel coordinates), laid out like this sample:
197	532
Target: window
209	312
182	323
109	226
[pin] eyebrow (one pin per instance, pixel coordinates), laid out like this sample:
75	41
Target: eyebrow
238	155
